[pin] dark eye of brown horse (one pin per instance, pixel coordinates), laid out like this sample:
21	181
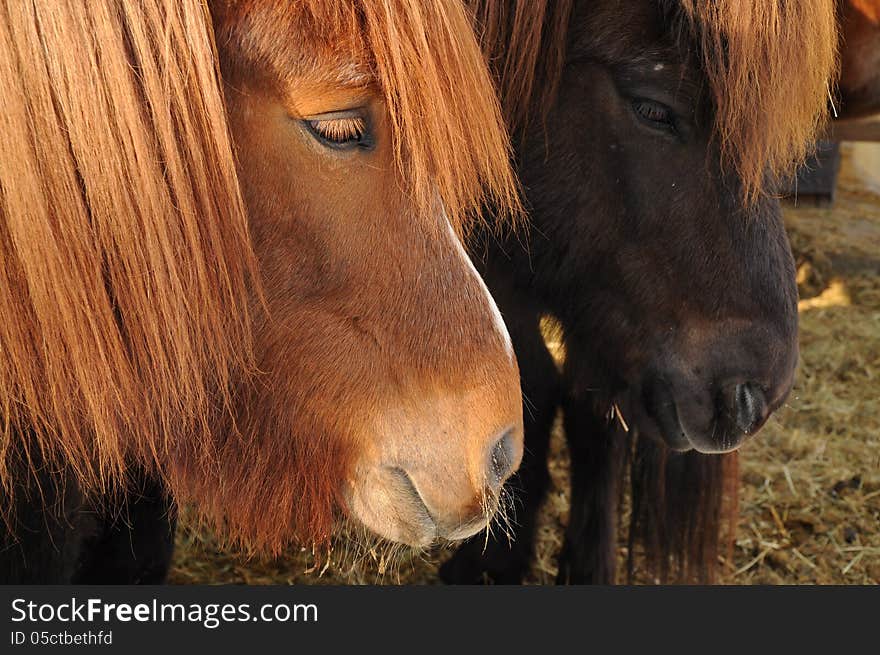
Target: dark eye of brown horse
341	130
654	114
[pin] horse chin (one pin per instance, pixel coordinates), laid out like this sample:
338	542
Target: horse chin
382	501
677	441
397	531
656	416
388	504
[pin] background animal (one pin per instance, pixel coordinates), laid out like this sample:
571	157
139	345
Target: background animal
855	101
859	85
649	159
277	336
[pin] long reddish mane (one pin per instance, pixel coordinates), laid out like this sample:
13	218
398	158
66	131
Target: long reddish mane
124	251
770	65
127	276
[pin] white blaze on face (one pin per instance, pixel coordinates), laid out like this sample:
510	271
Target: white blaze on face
500	326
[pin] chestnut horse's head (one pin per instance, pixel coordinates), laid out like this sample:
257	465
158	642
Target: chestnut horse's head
387	365
649	134
282	333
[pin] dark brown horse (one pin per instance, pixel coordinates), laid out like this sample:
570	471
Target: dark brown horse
249	291
648	138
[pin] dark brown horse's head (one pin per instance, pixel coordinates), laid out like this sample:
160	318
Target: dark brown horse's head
656	240
283	325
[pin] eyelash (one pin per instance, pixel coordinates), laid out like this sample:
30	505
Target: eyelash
654	113
341	133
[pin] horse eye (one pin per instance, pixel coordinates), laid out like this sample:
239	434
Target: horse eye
341	132
654	114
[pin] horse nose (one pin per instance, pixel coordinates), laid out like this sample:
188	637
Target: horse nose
462	503
446	487
750	407
503	456
725	393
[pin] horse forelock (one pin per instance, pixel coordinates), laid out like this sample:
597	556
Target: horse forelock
451	137
770	65
446	120
525	45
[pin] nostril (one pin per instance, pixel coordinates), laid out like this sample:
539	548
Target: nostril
404	488
751	407
502	457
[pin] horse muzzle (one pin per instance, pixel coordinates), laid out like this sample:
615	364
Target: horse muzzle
421	502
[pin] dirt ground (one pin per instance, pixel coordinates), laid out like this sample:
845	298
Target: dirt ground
810	493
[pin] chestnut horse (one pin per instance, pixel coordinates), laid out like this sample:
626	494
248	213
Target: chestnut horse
230	264
648	136
859	84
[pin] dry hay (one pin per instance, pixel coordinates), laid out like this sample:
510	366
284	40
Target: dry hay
811	483
810	496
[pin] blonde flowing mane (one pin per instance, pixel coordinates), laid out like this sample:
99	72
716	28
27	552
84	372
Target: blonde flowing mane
770	65
127	278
